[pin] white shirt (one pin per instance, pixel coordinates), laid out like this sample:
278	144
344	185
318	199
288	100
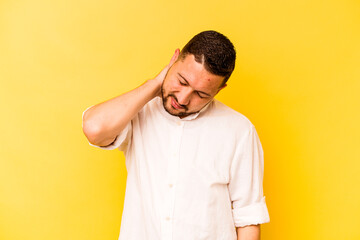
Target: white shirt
194	178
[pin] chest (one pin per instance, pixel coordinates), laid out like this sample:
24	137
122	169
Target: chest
202	152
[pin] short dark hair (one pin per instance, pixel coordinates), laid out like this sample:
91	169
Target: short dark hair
214	51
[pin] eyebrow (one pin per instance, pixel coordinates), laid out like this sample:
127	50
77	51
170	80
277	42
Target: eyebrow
189	85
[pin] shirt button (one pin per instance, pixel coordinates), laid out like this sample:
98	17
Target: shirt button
170	185
167	218
179	123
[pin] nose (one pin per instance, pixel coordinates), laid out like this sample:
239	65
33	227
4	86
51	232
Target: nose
184	96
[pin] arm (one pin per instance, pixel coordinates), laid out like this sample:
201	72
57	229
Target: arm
104	121
246	186
250	232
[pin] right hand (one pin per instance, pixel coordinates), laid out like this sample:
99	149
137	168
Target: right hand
161	76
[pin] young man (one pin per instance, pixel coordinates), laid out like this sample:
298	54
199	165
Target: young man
195	166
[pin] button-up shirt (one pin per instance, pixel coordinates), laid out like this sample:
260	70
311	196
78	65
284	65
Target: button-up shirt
195	178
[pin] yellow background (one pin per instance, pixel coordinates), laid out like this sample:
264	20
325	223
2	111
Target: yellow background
297	78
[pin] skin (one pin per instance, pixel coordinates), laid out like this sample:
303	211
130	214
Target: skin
185	86
188	87
250	232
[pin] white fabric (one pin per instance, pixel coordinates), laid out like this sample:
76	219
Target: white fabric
194	178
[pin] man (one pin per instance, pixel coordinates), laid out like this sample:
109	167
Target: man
195	166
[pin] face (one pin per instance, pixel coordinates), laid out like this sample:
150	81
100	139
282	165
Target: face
188	87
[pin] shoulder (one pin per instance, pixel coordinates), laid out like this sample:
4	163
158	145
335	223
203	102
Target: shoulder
228	121
222	112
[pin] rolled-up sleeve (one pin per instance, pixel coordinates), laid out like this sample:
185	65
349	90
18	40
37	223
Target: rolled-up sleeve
246	182
121	141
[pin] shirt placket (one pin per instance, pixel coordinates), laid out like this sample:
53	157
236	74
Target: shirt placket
172	177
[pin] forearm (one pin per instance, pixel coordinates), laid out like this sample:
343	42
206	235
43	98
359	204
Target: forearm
250	232
104	121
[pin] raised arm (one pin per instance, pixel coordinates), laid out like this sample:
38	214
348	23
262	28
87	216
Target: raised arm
104	121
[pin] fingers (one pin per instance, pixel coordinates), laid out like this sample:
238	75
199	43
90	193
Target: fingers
161	75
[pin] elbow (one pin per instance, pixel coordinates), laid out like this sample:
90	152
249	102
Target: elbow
90	128
96	132
92	131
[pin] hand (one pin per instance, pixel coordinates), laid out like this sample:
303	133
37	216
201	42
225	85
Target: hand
161	76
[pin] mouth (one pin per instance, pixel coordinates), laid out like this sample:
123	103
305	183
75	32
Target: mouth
175	105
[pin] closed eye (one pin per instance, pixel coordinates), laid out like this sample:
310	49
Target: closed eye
182	83
199	94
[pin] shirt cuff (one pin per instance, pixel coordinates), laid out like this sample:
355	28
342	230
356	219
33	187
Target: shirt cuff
253	214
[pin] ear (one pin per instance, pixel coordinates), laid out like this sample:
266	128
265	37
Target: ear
174	57
221	88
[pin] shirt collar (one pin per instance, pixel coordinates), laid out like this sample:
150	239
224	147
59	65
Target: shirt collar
193	116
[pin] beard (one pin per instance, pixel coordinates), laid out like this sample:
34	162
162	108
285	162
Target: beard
166	97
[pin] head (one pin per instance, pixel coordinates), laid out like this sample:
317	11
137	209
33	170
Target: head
198	73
